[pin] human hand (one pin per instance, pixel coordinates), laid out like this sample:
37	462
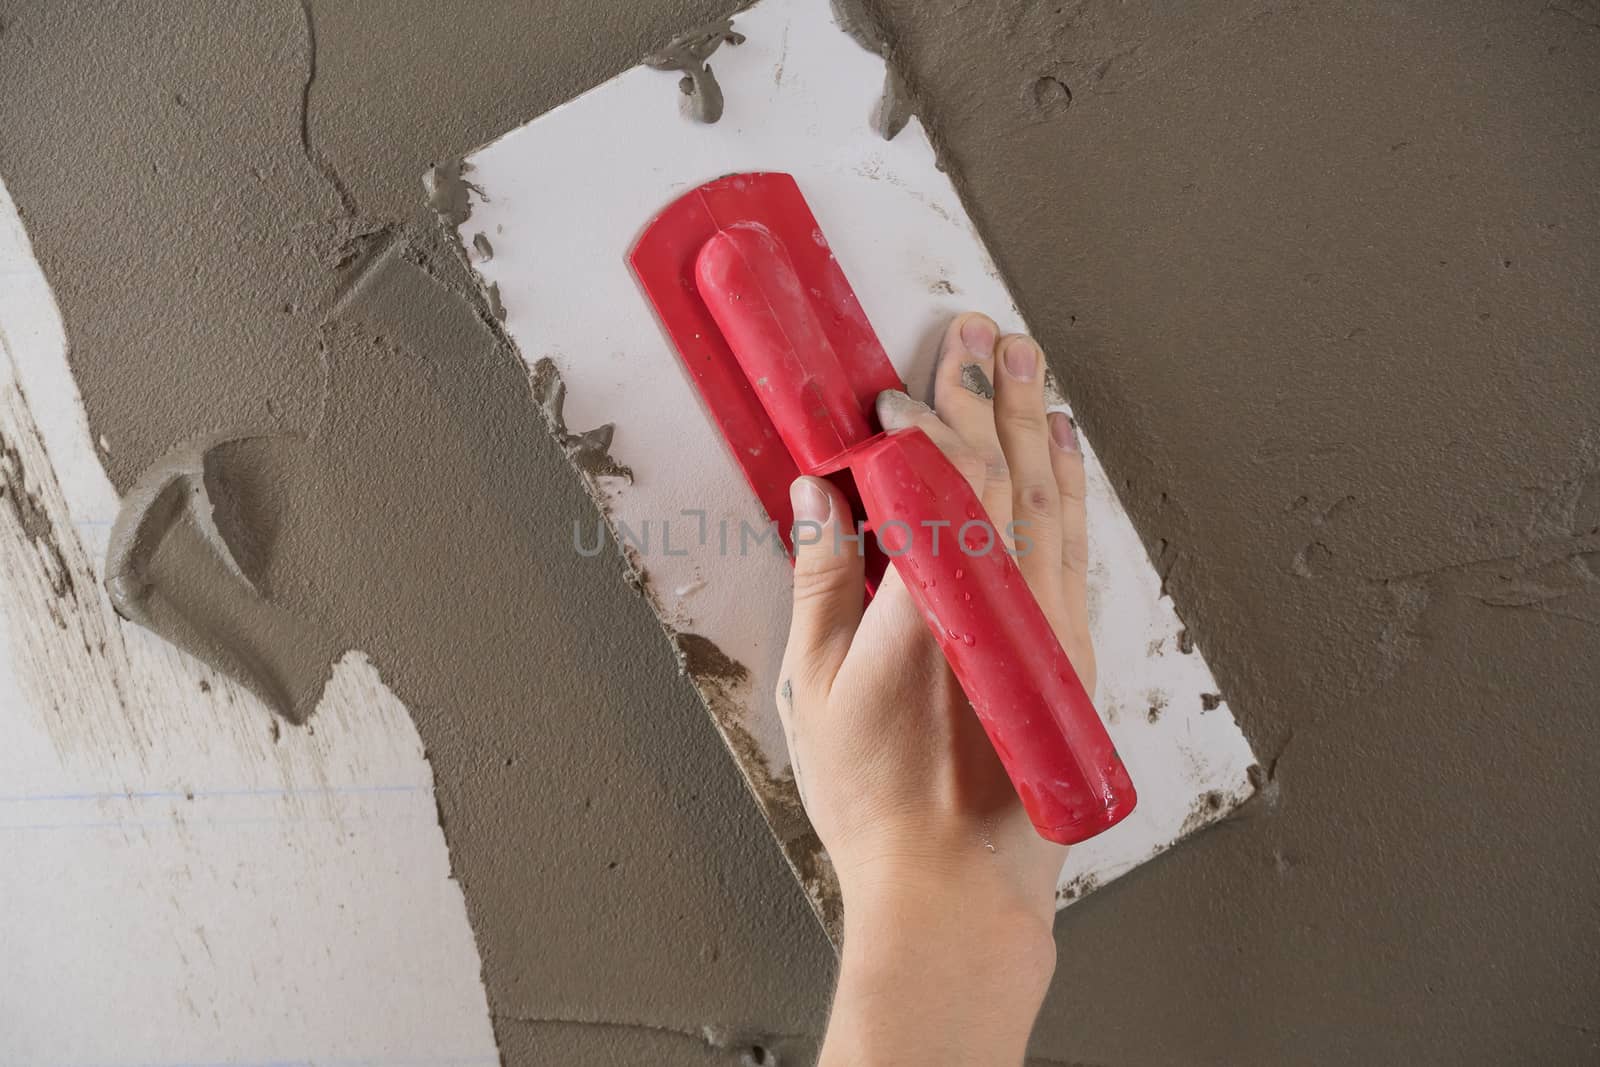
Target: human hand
896	773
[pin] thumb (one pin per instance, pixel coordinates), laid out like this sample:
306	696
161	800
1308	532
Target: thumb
829	589
897	411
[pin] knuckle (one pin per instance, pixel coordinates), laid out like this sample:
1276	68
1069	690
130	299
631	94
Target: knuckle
996	469
812	584
1020	419
810	676
1021	411
1075	554
1036	501
1071	490
819	577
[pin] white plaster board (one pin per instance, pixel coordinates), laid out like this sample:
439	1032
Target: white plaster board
564	197
177	887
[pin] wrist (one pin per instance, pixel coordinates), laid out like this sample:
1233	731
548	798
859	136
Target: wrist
971	922
937	974
1002	892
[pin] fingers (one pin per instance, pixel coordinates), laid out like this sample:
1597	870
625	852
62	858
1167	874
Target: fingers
1066	461
989	407
963	383
897	411
963	396
1019	421
829	588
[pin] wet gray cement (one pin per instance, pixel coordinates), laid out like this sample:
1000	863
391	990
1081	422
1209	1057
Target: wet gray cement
1320	282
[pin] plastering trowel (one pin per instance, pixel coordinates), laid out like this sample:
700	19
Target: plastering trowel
545	216
741	276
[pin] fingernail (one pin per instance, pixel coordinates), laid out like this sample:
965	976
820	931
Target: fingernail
978	334
810	503
1022	359
1062	432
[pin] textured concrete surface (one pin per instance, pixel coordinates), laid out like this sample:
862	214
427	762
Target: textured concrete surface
1321	283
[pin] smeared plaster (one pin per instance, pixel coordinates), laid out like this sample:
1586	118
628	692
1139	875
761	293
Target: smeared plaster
147	790
32	517
430	522
186	560
448	191
859	21
590	451
721	682
894	106
689	53
496	307
1217	286
974	381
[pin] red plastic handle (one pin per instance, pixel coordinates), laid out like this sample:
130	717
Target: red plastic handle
995	637
991	630
754	293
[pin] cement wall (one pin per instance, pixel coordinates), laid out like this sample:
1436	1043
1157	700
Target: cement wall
1320	282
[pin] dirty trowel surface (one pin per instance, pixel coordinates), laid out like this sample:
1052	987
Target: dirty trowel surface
546	214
